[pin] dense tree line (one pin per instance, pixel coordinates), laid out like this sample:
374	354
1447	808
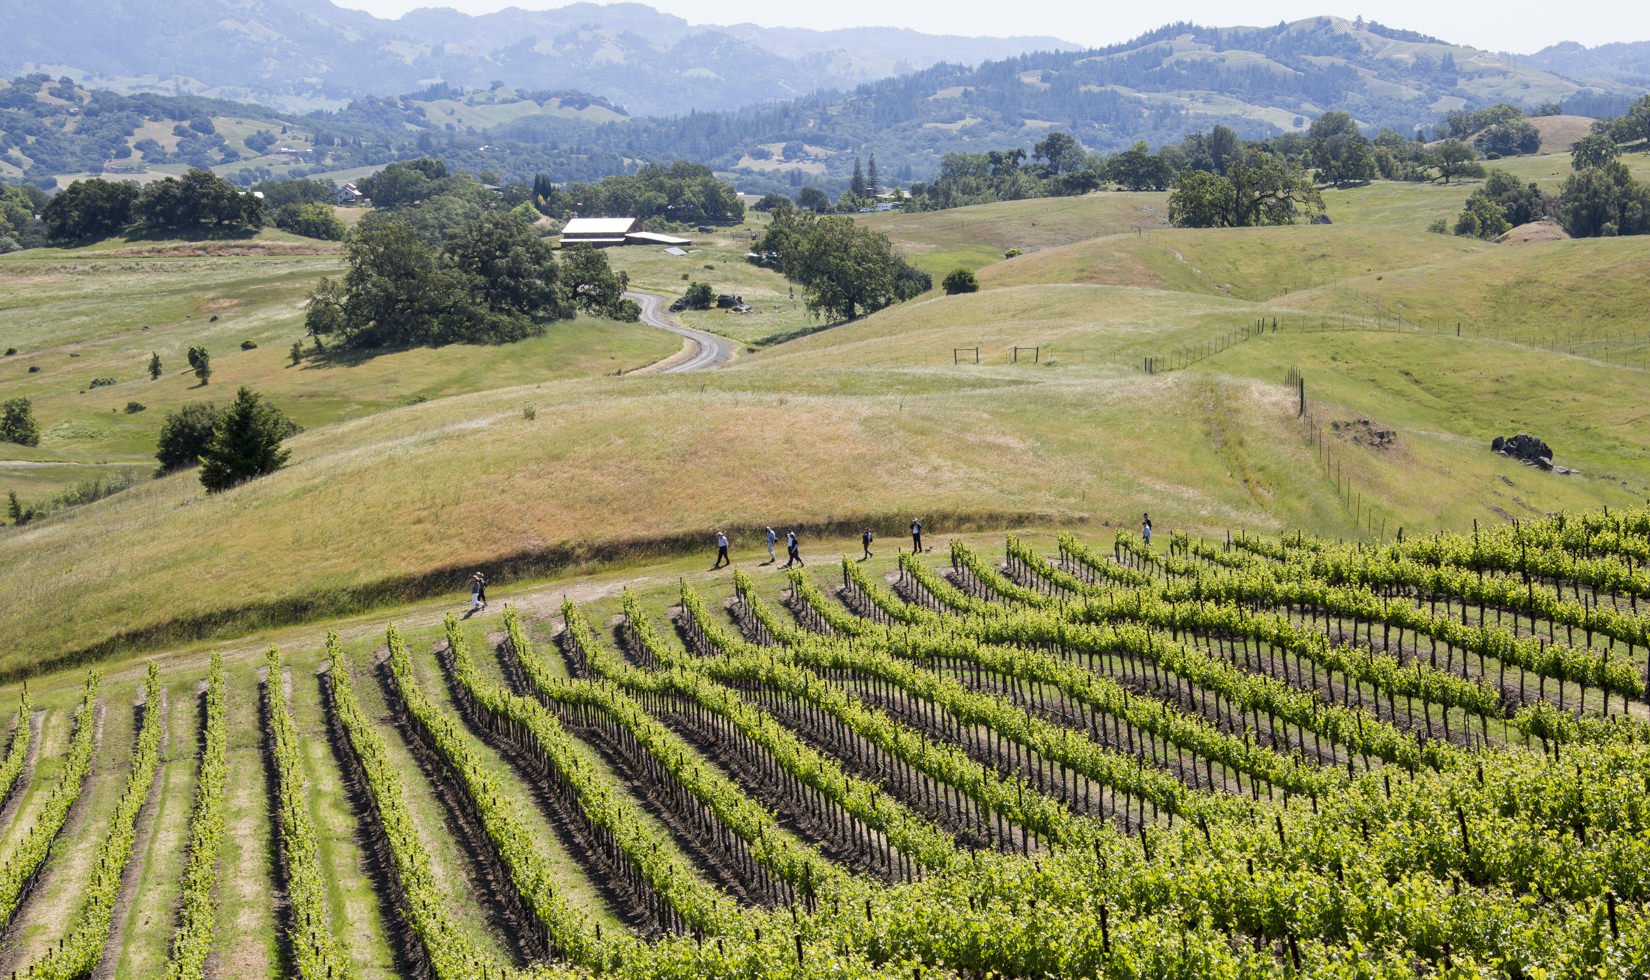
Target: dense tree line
198	201
681	192
845	270
19	225
1332	151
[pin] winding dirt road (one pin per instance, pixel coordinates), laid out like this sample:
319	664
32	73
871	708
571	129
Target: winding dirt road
704	350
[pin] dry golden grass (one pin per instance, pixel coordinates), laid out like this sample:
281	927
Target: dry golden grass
873	420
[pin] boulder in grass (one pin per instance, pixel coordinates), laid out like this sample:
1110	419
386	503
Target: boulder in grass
1525	448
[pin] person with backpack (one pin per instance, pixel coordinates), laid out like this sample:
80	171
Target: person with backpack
865	542
772	540
793	550
916	536
721	551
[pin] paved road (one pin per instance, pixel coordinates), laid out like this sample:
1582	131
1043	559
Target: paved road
708	349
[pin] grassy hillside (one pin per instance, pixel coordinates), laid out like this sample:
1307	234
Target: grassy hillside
417	467
563	479
80	315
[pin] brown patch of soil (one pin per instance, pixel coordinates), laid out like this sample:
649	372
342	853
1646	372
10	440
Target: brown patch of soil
1536	231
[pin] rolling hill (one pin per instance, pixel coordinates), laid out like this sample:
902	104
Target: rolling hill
1370	701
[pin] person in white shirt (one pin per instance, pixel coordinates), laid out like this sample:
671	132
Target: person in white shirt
721	551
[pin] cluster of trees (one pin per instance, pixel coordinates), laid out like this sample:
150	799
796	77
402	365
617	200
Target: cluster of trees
1333	150
1629	127
844	269
91	209
1600	198
1500	203
494	279
681	193
1056	166
1500	130
230	445
1258	188
1604	199
19	225
436	201
303	206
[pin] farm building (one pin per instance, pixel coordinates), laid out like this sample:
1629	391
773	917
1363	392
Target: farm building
609	232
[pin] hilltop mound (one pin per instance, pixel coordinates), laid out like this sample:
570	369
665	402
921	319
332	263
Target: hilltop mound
1544	230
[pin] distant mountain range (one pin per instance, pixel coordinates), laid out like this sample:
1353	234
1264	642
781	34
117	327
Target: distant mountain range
578	102
305	54
1624	63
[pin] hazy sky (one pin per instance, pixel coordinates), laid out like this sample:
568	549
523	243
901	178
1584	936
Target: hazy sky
1509	28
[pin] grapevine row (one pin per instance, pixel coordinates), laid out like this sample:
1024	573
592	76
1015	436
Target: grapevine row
78	953
26	860
192	940
316	954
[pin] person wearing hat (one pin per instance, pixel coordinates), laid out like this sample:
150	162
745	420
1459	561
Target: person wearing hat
478	592
721	551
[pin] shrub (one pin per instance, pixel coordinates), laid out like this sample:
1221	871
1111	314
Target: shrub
184	436
699	296
12	350
17	423
101	382
249	345
132	408
960	281
1013	253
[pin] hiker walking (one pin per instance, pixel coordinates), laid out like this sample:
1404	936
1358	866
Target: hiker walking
721	551
773	539
793	551
916	535
865	542
1146	528
478	592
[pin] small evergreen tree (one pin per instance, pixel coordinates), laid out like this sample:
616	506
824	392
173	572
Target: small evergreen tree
297	351
856	185
246	443
201	361
154	366
873	185
17	423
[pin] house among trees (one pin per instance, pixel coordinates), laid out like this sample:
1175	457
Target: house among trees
611	232
349	194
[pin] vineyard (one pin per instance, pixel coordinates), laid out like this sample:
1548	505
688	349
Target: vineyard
1071	757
